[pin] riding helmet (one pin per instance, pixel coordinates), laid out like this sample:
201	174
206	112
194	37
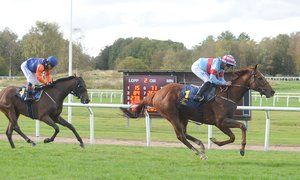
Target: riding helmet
229	59
52	60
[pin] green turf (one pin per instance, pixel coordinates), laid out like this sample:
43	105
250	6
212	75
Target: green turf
69	161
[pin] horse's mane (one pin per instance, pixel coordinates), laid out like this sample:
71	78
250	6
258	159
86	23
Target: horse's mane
63	79
58	81
239	73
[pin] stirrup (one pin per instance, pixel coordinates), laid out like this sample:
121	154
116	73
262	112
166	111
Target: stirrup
199	98
28	99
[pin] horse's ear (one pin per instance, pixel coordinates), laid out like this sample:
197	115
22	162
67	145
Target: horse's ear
255	67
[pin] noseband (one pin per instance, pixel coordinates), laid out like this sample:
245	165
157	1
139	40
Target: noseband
79	89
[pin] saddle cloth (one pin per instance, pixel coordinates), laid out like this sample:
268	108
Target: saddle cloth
188	93
37	93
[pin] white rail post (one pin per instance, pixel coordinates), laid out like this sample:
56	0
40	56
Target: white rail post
260	101
287	101
147	120
92	136
209	135
111	97
37	130
267	133
91	97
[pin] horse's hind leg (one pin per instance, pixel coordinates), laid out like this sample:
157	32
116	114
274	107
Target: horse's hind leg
179	130
191	138
9	132
65	123
12	117
197	141
51	123
18	130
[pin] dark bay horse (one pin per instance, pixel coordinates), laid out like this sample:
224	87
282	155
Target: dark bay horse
218	112
47	109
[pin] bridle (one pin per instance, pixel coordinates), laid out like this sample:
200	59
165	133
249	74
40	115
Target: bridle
252	81
79	88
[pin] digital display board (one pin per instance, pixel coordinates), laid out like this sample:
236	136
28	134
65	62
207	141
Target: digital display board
136	87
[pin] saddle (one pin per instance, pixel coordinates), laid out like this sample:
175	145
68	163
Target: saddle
188	94
37	93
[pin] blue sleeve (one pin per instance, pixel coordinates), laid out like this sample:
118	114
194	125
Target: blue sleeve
215	80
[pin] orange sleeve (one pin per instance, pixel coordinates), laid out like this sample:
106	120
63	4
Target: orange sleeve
48	76
39	70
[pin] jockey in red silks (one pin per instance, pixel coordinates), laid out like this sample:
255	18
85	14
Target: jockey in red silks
211	71
33	69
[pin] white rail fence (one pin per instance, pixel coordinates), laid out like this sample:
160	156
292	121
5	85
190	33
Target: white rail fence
148	119
276	98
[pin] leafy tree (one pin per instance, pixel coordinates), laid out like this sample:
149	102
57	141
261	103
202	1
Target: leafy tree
294	50
10	52
131	63
101	61
282	60
177	60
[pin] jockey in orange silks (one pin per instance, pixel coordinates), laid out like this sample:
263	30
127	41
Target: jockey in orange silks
33	69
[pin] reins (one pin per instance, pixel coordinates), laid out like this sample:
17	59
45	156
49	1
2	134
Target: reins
225	89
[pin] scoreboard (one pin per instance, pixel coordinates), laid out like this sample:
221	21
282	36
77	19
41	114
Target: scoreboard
136	87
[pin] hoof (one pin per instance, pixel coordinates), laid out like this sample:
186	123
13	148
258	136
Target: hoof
33	144
242	152
203	157
47	140
213	139
81	145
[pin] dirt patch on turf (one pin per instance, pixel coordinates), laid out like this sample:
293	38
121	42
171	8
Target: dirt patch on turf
154	143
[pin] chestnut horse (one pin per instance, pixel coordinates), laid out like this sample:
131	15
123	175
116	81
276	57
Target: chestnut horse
218	112
47	109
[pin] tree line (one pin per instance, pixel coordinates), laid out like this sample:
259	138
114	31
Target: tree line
278	55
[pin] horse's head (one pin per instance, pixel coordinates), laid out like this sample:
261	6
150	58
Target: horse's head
79	90
256	81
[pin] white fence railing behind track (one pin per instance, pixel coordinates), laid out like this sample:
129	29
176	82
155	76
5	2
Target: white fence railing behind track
287	78
275	99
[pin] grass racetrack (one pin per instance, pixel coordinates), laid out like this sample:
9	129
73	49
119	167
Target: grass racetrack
69	161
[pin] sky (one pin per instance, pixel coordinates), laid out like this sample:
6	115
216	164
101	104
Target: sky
98	23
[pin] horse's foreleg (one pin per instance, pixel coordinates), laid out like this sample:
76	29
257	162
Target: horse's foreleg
197	141
226	131
51	123
230	123
65	123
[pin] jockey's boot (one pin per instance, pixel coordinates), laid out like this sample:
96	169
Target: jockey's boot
199	96
29	93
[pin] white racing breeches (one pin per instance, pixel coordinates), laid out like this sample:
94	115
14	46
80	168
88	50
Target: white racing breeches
204	76
30	76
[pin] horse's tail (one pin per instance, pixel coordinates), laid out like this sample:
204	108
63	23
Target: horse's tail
138	108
